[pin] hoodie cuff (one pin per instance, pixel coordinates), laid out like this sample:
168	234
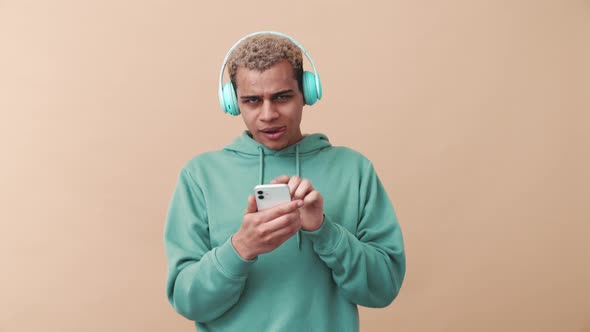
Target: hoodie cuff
326	238
229	261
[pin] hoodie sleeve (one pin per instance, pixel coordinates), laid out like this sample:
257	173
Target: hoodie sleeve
368	266
203	282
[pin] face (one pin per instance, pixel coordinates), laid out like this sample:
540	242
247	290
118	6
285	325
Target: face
271	104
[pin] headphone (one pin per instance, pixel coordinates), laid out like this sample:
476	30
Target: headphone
312	87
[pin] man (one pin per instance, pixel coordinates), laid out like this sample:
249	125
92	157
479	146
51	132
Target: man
299	266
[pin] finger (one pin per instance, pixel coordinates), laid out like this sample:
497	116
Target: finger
282	234
277	238
294	182
303	189
279	210
313	197
289	221
280	179
251	208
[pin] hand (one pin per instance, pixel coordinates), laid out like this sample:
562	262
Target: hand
264	231
312	212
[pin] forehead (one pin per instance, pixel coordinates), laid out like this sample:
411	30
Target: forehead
276	78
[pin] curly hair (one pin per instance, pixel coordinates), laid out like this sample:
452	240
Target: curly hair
260	52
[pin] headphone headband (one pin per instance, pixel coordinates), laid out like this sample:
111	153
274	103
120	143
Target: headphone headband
317	78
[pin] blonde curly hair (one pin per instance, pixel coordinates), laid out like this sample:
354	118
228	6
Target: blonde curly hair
260	52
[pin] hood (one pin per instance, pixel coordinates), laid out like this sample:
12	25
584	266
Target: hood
245	144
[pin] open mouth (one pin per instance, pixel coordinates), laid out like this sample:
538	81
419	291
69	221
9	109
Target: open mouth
274	132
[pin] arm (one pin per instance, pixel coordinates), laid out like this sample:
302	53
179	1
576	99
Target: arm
203	282
368	266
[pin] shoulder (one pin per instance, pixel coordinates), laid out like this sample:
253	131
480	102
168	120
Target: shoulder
348	155
204	160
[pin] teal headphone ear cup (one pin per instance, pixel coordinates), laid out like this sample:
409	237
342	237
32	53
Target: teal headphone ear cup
319	87
230	101
310	93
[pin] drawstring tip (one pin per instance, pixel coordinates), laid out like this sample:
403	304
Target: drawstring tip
299	240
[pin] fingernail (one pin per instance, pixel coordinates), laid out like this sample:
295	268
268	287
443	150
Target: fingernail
299	203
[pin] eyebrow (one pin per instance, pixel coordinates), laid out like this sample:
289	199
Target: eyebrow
274	95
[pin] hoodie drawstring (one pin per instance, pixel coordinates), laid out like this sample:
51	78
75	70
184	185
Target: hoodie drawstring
261	164
297	168
297	171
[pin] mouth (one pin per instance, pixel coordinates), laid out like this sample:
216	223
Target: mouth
273	133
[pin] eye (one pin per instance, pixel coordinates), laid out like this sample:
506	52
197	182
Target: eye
251	100
283	97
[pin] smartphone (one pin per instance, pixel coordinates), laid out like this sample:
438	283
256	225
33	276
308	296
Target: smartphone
269	195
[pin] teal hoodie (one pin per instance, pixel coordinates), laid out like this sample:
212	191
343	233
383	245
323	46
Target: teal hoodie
313	281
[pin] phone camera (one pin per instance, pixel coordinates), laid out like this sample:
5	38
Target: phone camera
260	192
261	197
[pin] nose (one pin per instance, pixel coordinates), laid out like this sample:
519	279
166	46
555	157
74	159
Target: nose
268	111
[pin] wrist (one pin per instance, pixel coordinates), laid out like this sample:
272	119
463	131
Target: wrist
318	225
241	248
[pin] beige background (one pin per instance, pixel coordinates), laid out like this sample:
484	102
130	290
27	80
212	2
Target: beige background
475	114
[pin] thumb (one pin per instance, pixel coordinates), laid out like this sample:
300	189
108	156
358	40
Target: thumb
251	205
